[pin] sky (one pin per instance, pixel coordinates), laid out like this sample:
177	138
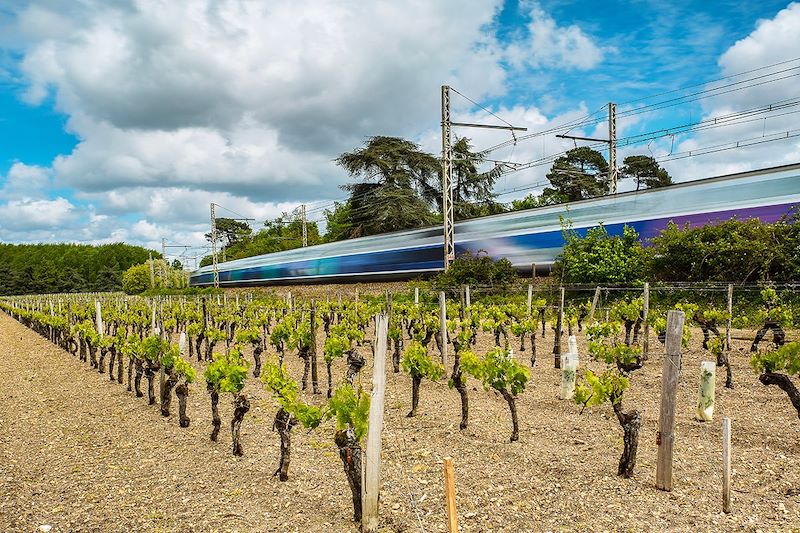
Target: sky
121	120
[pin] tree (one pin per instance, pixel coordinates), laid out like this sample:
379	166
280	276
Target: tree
398	184
532	201
473	194
230	231
338	222
580	174
646	171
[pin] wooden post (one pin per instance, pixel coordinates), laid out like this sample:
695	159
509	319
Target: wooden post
313	351
98	316
416	295
726	465
533	273
372	466
730	317
443	326
665	438
450	495
646	328
468	296
530	298
559	323
595	301
182	343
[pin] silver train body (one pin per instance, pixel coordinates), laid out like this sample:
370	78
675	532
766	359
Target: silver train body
527	237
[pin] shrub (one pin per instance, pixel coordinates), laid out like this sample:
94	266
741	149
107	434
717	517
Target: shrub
602	258
136	279
477	269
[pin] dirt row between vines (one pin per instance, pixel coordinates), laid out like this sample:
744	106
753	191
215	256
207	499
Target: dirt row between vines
81	454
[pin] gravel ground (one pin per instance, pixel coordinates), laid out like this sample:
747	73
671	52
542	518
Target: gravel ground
82	454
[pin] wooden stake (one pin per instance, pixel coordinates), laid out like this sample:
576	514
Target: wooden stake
726	465
313	351
372	466
450	495
595	300
730	316
98	316
530	298
443	326
416	295
468	296
665	438
559	323
646	329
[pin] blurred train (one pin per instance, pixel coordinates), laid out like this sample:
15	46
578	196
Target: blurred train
527	237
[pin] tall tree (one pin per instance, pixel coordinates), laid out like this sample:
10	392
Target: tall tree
579	174
397	185
230	231
473	191
646	171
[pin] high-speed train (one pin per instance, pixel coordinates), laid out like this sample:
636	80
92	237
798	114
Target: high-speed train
533	236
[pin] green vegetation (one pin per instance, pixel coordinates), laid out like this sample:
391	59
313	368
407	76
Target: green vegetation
476	270
621	358
733	250
599	257
499	371
59	268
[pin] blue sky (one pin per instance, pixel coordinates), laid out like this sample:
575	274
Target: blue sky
121	121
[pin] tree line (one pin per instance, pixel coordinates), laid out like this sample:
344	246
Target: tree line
55	268
397	186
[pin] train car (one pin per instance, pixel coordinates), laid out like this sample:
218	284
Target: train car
533	236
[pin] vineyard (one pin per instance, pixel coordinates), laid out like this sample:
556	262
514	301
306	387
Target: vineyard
547	399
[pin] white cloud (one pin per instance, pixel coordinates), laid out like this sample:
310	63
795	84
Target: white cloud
25	181
35	214
177	104
772	41
552	46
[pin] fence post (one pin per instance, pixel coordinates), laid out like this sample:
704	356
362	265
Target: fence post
559	323
450	495
646	329
595	301
665	438
313	351
730	317
530	298
372	467
726	465
443	326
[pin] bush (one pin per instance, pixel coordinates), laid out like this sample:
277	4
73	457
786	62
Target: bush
136	279
733	250
478	269
602	258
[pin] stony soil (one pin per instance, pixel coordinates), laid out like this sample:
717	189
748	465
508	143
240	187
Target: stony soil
82	454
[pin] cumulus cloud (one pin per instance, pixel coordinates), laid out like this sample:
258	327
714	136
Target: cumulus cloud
35	214
176	104
25	181
772	41
549	45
